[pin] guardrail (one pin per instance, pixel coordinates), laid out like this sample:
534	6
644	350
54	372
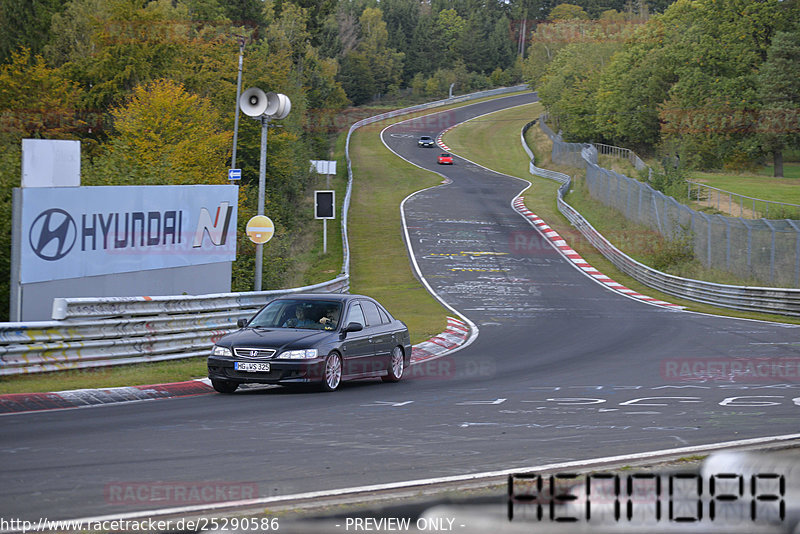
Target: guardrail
124	330
783	301
100	332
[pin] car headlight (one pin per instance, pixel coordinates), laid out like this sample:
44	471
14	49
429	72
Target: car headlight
305	354
221	351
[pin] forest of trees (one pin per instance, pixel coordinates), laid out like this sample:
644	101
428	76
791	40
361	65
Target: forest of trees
712	81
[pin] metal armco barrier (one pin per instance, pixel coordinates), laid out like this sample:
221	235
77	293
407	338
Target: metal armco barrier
113	331
783	301
99	332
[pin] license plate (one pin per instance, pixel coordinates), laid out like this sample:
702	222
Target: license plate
251	367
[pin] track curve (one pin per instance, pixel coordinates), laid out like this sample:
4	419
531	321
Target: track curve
563	369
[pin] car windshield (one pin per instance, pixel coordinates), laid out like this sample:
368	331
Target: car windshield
299	313
425	138
445	156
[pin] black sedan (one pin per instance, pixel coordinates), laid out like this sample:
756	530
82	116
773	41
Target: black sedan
302	338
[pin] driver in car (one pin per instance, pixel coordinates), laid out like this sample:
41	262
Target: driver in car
330	318
299	320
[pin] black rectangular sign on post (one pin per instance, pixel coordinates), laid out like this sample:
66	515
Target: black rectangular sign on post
324	204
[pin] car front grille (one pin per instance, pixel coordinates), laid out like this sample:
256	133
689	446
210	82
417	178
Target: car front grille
244	352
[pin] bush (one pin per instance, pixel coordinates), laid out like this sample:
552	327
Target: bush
669	254
671	180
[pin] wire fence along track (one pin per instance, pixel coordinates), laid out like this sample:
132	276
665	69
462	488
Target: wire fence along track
784	301
741	205
766	251
100	332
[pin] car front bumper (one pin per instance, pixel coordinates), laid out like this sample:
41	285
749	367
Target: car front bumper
281	371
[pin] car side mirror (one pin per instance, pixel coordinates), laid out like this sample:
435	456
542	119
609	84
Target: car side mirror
241	323
352	327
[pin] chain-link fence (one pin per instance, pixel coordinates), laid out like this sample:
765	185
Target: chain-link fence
741	205
764	250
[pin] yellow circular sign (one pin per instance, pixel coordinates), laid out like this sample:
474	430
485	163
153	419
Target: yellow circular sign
260	229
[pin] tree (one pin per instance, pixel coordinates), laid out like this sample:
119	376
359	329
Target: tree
75	38
484	44
567	12
633	86
717	49
502	47
401	17
373	67
424	54
450	25
569	88
207	10
551	37
247	13
779	120
165	135
357	78
130	42
25	24
317	13
697	67
37	101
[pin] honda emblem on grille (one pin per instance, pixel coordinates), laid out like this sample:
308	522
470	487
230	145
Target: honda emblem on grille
253	353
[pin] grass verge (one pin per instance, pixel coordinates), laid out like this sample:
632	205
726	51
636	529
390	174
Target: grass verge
380	262
107	377
493	141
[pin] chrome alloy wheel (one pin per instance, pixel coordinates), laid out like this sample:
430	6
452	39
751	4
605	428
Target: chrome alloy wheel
333	372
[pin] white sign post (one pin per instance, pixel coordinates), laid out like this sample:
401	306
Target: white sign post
326	167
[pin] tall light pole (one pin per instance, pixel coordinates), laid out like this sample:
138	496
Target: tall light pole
238	92
263	107
262	193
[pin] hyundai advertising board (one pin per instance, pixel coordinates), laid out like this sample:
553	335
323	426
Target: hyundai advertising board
76	232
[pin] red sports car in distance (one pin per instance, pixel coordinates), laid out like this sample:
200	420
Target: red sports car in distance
445	159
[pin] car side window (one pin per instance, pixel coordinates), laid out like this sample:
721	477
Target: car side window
384	316
355	315
371	312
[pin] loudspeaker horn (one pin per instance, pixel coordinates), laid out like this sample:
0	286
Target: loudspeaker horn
273	103
278	106
284	108
253	102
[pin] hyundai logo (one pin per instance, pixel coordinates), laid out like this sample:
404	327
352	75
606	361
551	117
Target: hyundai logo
53	234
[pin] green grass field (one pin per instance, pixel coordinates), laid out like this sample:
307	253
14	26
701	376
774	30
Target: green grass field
765	187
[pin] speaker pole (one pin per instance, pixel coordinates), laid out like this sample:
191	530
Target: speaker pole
262	185
238	93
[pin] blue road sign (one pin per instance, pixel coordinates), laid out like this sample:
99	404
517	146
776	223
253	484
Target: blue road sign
234	174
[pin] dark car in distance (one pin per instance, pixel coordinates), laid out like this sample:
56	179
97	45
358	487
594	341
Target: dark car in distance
426	142
312	338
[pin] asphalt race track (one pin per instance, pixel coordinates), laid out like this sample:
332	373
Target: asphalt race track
563	369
